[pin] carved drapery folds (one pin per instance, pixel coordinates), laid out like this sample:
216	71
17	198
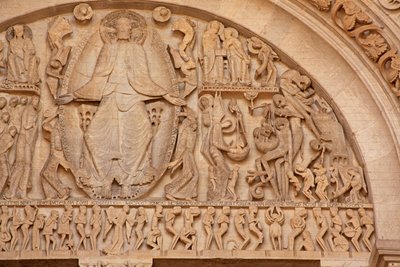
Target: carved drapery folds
147	108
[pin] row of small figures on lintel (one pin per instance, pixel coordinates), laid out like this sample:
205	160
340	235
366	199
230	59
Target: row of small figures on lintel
119	227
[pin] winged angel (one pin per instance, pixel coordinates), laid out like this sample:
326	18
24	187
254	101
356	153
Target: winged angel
119	154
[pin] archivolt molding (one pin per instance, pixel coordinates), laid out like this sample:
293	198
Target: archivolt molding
375	40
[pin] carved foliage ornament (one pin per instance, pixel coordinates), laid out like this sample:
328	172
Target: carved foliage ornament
369	35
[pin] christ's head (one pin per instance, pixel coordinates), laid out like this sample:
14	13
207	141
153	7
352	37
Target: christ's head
124	28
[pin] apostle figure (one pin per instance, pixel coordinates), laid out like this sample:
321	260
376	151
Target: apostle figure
22	63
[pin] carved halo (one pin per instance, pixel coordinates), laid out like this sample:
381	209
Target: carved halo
10	34
165	137
138	24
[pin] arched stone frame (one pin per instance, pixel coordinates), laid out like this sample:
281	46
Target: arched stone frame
332	59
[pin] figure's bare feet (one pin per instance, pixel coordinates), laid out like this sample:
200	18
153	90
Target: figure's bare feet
66	193
107	191
125	190
170	197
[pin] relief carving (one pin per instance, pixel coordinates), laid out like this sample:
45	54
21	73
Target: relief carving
58	30
213	53
323	5
368	223
213	118
352	15
96	222
223	225
2	56
52	185
83	13
183	56
188	233
140	221
239	221
255	225
298	224
126	111
48	230
161	14
185	184
266	72
352	229
275	217
390	4
38	225
22	62
64	228
154	238
20	180
80	222
208	222
127	159
322	223
116	219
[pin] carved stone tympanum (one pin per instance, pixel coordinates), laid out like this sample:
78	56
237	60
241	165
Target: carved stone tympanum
157	134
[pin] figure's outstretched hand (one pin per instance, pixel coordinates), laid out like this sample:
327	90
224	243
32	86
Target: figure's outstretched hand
64	99
175	100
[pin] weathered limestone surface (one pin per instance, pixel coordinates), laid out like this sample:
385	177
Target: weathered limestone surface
138	130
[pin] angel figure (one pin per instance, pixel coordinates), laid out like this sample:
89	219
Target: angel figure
267	70
58	30
183	57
